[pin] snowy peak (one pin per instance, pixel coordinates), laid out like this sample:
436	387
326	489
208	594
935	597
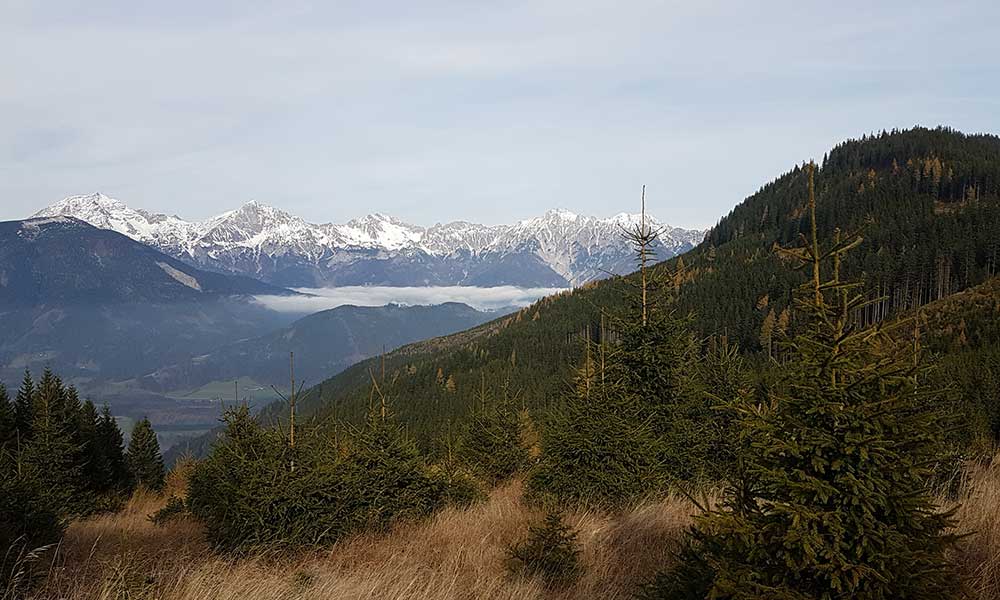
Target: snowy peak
271	244
105	212
97	209
252	220
381	231
560	214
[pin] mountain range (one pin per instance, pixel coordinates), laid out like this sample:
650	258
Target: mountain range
557	249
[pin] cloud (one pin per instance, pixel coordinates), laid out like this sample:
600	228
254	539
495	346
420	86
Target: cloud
482	298
488	112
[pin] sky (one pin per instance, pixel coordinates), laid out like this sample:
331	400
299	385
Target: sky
490	112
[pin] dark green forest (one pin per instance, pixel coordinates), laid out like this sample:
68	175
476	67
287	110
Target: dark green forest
925	201
61	459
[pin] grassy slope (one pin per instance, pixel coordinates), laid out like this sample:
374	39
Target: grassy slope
458	554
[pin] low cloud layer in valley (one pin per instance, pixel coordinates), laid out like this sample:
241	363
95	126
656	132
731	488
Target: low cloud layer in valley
482	298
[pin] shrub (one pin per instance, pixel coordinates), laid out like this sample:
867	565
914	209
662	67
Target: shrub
29	522
492	444
255	490
550	552
174	509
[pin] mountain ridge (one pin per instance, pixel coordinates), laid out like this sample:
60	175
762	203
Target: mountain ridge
557	249
64	260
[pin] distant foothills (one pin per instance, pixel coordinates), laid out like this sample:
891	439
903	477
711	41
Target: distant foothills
557	249
129	325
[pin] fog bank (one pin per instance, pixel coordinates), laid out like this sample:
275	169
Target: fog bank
481	298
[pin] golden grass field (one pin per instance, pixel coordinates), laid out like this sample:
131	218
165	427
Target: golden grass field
458	554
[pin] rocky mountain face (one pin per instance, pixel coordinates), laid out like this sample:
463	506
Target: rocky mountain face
557	249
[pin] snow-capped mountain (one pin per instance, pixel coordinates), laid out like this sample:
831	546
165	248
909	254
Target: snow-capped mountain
559	248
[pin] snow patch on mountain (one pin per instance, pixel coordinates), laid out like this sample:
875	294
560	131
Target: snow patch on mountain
180	276
271	244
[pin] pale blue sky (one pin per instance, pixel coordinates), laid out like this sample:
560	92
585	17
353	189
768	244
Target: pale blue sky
483	111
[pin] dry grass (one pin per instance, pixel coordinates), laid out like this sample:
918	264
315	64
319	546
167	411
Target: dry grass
979	518
459	554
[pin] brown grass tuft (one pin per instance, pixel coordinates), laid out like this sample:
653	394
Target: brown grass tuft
458	554
979	518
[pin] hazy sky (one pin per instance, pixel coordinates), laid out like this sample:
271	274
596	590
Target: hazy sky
484	111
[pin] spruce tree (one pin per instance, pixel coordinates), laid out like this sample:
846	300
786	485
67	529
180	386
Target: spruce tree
71	409
635	420
657	356
144	460
23	405
256	490
492	443
111	447
551	552
388	476
836	500
49	406
725	384
8	427
598	446
31	519
88	458
247	494
51	451
98	472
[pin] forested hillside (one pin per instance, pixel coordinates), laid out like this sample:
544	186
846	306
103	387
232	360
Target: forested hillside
96	305
925	201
